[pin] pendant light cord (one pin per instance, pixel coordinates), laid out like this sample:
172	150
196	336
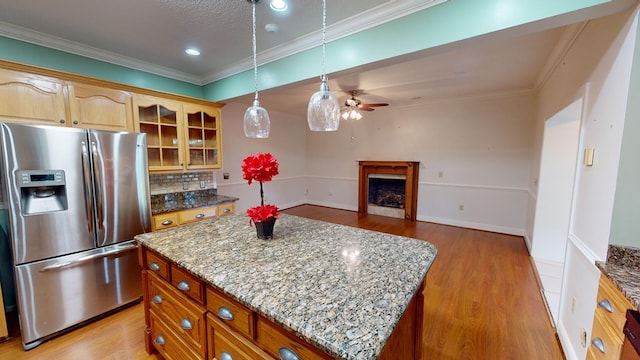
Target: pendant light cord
324	37
255	61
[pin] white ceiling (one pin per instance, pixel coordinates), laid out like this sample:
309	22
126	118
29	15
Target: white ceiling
151	35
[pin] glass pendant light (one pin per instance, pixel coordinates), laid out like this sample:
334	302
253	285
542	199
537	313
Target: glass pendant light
256	119
323	112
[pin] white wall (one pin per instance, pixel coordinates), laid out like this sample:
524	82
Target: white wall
286	142
480	146
601	56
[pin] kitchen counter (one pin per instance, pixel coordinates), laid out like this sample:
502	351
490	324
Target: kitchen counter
165	203
623	269
340	288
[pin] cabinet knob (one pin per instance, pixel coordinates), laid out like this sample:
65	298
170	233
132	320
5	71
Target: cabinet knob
599	344
157	299
225	356
186	324
225	314
76	122
154	266
606	304
167	222
159	340
287	354
62	121
199	216
227	210
184	286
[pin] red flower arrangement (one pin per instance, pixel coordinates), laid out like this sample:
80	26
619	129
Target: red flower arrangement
262	168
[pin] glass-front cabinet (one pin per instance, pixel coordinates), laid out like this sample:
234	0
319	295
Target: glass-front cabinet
180	136
203	136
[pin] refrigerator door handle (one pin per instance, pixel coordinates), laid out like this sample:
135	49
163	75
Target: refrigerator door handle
97	175
89	258
86	172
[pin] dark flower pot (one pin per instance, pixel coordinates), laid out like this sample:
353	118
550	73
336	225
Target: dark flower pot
264	229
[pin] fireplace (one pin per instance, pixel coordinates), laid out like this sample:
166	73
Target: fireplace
388	188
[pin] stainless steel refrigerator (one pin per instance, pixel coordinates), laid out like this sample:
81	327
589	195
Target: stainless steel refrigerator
76	199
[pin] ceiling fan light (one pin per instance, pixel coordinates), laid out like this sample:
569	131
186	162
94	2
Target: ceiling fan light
256	122
356	115
323	112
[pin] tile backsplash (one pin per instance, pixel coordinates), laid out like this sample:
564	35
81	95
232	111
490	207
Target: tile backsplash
179	182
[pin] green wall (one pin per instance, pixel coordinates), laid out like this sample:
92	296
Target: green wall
626	209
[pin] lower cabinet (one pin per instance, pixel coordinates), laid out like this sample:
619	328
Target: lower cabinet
187	320
608	320
176	218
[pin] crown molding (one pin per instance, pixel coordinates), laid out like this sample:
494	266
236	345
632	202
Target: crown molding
76	48
372	17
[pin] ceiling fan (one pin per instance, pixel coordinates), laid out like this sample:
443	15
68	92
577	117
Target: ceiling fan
356	104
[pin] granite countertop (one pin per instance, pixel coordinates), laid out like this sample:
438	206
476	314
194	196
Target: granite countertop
340	288
164	203
623	269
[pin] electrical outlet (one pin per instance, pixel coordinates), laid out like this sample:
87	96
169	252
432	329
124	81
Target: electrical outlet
185	186
583	337
440	174
330	193
203	184
573	304
461	207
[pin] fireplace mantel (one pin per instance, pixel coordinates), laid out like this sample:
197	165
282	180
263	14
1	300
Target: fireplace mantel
408	168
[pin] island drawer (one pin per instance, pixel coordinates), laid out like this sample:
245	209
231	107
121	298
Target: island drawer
187	283
274	339
612	304
185	317
192	215
157	264
168	344
231	312
222	339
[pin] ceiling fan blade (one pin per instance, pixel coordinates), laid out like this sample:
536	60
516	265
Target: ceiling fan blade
365	109
375	104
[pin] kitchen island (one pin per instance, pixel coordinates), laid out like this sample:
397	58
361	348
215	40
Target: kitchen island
324	290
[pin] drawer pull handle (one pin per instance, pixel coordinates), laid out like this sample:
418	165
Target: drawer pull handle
159	340
154	266
599	344
225	356
226	211
186	324
184	286
157	299
167	222
606	304
225	314
287	354
199	216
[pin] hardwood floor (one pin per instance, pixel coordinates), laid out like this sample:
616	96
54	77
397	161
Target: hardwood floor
482	301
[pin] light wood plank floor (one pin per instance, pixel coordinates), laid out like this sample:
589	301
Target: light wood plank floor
482	301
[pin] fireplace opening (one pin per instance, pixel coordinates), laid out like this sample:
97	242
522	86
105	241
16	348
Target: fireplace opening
386	195
388	188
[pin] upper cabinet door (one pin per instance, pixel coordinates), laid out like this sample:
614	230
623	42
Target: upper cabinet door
161	120
203	137
31	98
100	108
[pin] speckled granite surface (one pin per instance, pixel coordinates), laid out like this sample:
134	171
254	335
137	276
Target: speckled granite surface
341	288
164	203
623	269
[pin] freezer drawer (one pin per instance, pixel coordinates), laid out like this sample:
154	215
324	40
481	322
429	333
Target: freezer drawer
59	293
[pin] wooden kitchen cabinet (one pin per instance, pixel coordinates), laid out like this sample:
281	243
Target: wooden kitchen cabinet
176	218
180	135
31	98
95	107
608	320
4	331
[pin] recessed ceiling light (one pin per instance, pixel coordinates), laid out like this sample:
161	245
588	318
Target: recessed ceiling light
192	51
271	28
279	5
